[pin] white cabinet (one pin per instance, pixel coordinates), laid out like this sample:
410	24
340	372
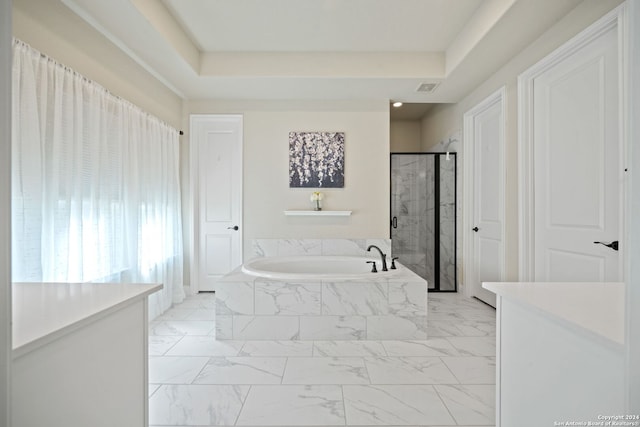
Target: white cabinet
80	355
560	352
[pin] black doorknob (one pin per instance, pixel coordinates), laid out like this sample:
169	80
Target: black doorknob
235	227
476	229
613	245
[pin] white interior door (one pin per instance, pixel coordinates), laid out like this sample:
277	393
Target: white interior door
484	148
217	150
577	165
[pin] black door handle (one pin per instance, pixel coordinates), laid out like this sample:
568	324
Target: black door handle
235	227
613	245
476	229
394	222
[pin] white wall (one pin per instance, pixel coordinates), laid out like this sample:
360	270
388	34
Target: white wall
445	119
266	165
405	136
56	31
5	211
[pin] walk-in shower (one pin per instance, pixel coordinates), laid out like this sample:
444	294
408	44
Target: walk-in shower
423	216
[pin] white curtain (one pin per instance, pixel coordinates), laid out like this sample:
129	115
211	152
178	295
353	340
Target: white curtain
95	184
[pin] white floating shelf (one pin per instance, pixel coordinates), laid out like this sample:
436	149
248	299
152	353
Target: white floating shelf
316	213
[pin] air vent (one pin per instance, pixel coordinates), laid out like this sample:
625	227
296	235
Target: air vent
427	87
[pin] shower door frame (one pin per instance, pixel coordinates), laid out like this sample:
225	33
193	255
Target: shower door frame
436	264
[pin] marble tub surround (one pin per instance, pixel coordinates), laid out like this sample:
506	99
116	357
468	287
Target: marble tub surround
297	247
440	381
255	308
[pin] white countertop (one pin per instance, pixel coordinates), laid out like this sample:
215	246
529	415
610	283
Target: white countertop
45	311
596	307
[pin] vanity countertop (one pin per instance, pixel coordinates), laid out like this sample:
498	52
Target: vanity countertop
43	312
596	307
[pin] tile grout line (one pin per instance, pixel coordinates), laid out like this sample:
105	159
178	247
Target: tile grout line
445	404
284	371
175	344
242	406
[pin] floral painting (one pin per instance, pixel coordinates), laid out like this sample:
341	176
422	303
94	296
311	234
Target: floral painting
316	159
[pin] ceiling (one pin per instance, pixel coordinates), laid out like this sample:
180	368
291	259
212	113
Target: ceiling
410	111
321	49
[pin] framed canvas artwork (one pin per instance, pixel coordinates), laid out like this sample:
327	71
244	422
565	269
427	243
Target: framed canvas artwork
316	159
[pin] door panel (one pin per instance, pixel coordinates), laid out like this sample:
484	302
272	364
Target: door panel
218	250
216	173
484	141
217	143
585	268
576	165
489	255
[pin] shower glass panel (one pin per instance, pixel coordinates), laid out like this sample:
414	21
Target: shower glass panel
423	212
447	222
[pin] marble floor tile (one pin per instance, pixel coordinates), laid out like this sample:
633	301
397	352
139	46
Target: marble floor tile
470	328
429	347
474	346
470	404
408	370
472	370
480	315
182	327
396	327
445	379
205	346
458	328
287	405
202	314
348	348
326	370
489	328
191	405
160	344
198	302
394	405
175	370
277	348
242	370
176	314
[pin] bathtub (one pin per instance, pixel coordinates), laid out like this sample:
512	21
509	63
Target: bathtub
320	298
316	268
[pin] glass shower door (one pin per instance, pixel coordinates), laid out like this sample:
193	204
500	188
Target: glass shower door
423	216
412	213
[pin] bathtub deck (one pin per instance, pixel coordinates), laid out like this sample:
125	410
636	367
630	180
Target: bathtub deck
379	308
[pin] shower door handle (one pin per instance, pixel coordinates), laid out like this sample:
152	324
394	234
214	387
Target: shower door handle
394	222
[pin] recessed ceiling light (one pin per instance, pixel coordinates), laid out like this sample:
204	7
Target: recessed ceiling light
397	104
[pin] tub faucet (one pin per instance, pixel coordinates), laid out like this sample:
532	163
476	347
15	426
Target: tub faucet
382	256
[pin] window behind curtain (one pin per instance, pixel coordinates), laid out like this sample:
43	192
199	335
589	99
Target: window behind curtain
96	194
